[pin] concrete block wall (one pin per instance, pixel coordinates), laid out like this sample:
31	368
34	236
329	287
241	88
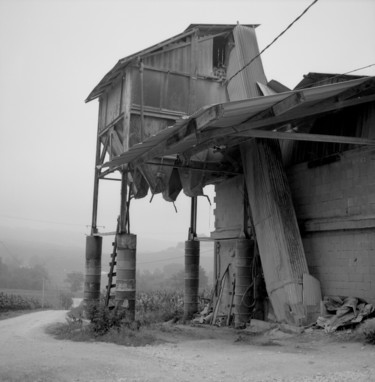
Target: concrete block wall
335	207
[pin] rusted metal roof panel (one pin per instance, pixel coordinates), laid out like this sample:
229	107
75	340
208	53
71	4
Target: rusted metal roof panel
177	138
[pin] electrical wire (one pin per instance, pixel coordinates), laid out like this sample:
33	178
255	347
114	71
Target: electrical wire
339	75
269	45
42	221
160	260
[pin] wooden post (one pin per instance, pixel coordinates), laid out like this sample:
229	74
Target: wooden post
124	207
96	176
191	265
141	70
279	241
126	107
193	73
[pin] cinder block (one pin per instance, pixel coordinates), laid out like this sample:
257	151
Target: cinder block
355	277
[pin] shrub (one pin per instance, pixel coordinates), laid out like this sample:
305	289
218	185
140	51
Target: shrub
66	300
159	306
9	302
103	319
368	329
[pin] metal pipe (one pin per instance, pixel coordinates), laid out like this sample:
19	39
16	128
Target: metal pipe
193	218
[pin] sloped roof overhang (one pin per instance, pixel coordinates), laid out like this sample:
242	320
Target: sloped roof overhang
118	69
232	123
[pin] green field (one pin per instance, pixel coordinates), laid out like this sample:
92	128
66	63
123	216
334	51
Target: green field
20	299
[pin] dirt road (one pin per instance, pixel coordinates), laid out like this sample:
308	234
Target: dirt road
28	354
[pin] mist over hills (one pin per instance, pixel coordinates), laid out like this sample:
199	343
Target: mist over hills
61	252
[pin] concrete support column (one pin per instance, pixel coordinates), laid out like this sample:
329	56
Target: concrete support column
243	291
191	278
93	268
126	273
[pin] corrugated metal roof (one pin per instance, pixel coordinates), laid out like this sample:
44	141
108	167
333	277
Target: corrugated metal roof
121	64
244	84
216	28
220	120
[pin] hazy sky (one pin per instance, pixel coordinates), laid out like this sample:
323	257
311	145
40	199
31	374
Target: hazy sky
53	53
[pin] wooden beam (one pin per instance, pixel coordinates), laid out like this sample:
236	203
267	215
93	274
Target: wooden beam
356	91
106	172
95	198
126	108
270	123
195	165
110	125
104	149
281	107
304	137
193	73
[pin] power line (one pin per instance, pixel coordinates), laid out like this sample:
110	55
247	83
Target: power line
339	75
41	221
160	260
288	27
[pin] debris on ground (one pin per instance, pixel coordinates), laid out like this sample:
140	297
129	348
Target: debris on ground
342	312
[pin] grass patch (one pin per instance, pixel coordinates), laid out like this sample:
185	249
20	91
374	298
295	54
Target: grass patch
104	325
85	333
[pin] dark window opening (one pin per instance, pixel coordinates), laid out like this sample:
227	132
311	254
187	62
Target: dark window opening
218	57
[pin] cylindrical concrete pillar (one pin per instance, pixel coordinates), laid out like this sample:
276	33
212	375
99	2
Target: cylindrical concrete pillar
93	268
191	278
242	294
126	273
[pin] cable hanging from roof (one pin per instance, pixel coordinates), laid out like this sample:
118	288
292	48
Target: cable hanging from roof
254	58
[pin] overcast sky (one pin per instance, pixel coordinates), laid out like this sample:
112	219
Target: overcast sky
53	53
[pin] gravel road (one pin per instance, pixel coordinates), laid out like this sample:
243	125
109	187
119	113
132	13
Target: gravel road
27	353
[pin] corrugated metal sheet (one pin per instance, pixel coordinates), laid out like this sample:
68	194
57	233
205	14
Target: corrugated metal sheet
205	64
231	114
244	85
121	64
176	59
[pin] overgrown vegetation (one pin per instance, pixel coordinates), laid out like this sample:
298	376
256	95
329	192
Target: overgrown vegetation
11	302
104	324
159	306
13	276
368	330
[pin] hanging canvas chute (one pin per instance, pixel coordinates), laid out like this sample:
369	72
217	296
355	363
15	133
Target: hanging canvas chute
174	186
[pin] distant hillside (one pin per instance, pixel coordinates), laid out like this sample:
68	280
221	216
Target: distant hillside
61	254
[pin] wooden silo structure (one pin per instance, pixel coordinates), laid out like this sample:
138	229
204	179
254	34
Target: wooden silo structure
143	95
193	111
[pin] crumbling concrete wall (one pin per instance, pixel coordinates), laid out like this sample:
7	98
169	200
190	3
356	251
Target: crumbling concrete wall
229	211
335	207
229	218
